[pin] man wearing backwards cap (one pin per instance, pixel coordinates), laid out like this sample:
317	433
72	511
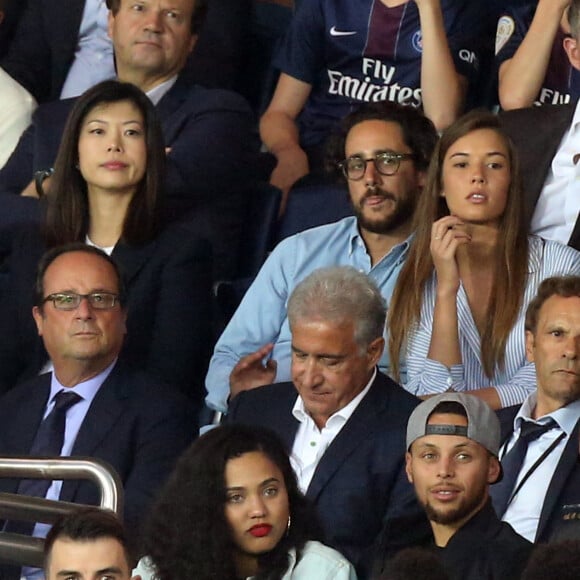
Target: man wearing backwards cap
452	446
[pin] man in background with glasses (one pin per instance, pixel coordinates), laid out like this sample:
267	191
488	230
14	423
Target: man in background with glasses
383	152
90	404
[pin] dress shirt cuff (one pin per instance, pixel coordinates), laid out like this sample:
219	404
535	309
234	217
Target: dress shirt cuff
516	391
436	378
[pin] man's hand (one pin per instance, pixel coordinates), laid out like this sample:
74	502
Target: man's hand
251	372
292	165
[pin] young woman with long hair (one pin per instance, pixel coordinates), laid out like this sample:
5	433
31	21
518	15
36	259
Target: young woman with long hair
232	509
106	191
457	312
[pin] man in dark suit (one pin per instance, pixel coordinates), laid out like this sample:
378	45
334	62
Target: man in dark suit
540	492
111	412
547	140
51	33
210	135
343	421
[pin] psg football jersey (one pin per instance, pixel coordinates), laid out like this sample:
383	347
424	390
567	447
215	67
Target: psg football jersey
562	81
355	51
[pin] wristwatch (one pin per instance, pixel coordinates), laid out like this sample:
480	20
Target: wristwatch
39	177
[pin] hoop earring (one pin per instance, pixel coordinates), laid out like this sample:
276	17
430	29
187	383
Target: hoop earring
288	525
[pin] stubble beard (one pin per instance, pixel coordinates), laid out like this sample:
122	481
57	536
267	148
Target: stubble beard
402	213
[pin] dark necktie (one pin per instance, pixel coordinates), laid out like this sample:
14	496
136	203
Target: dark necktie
512	463
49	440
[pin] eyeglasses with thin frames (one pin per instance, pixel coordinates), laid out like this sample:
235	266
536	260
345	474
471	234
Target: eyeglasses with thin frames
386	163
72	300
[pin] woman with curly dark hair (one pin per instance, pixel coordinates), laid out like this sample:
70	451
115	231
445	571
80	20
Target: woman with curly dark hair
232	509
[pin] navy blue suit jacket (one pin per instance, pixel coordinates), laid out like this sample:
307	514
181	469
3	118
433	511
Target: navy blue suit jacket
537	133
360	483
562	499
45	42
136	424
213	162
169	307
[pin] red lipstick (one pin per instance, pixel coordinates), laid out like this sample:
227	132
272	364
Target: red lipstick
260	530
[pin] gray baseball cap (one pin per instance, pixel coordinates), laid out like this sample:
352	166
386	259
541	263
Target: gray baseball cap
482	422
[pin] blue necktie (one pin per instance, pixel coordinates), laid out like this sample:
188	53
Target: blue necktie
48	441
512	463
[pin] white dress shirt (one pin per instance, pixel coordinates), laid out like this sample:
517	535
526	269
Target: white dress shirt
558	206
523	512
311	442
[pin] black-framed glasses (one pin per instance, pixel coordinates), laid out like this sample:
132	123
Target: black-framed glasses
72	300
386	163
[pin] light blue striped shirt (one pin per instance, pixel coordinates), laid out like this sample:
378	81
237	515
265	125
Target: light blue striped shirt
518	378
261	317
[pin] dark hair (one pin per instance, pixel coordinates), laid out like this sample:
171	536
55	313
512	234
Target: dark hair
559	560
511	259
563	286
51	255
197	16
414	564
67	215
574	18
87	524
419	133
449	408
188	536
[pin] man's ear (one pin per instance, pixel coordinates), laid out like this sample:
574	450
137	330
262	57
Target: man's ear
375	351
38	319
408	469
573	51
493	469
530	346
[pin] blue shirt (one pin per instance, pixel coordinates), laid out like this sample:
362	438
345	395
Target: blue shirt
261	317
93	60
518	377
75	416
363	51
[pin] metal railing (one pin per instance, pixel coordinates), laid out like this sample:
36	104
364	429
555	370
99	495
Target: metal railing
25	550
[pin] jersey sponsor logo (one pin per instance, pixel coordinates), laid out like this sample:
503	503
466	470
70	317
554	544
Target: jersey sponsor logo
552	97
417	41
335	32
368	91
505	28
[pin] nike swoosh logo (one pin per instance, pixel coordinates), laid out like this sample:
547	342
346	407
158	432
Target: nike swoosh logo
334	32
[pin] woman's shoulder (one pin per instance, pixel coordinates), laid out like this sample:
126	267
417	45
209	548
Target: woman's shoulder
321	562
548	254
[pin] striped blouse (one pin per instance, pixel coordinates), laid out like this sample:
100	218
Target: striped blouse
518	378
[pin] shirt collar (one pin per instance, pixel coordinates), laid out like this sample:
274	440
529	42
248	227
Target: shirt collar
566	417
576	117
356	239
159	91
301	414
87	389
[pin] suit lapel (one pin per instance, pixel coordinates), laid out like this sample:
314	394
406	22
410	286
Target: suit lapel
567	463
131	259
167	108
357	429
30	414
101	417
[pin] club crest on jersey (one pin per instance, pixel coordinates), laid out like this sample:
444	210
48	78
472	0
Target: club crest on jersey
505	28
417	41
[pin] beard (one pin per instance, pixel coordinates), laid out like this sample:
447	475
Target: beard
402	213
467	508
